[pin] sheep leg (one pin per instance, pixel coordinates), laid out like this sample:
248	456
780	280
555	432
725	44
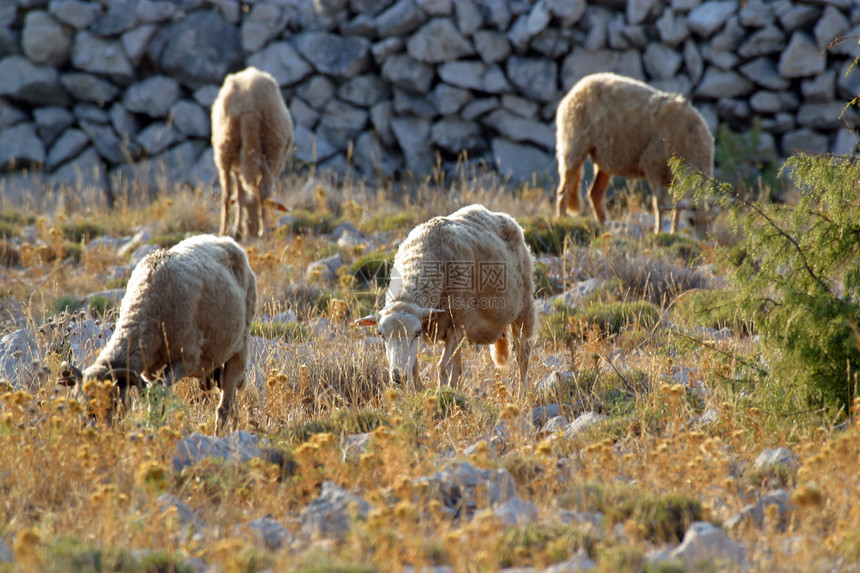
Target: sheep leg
416	377
657	198
266	185
233	379
567	199
597	195
450	366
522	348
224	177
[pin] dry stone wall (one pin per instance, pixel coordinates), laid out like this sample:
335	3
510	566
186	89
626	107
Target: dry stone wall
116	93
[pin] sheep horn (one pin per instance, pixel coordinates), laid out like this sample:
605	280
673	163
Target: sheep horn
69	374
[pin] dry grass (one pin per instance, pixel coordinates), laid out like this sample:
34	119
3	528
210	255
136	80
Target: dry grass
72	491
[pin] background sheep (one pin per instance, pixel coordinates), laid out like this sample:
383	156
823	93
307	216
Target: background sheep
252	133
466	275
629	129
188	311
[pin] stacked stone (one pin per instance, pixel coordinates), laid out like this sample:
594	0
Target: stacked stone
116	93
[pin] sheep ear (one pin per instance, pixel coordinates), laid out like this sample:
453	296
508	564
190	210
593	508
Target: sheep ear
431	314
369	320
276	205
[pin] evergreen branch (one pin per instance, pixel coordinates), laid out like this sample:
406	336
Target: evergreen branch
712	347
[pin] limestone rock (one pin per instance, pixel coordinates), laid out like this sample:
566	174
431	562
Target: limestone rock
45	41
21	146
36	85
801	58
331	514
104	57
197	50
283	61
153	96
438	41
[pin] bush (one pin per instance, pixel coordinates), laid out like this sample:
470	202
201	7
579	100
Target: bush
711	309
661	518
611	317
287	331
550	235
68	303
679	247
81	231
373	267
305	222
799	281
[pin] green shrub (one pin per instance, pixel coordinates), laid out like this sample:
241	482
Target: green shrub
662	518
530	544
611	317
81	231
68	303
679	246
738	159
305	222
9	255
551	235
710	309
343	421
287	331
373	267
799	283
544	284
167	240
394	222
7	231
71	555
99	305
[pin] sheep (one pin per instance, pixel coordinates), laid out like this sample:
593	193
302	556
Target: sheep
467	275
187	311
252	135
630	129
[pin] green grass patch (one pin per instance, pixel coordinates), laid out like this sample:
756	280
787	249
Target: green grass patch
544	284
661	518
533	544
100	305
293	331
395	221
304	222
81	231
611	317
72	555
9	255
710	309
679	246
373	267
68	303
552	236
343	421
168	240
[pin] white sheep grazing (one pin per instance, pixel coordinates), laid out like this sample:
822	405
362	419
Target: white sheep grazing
188	311
629	129
467	275
252	134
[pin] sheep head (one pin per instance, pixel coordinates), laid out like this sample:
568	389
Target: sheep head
105	389
400	325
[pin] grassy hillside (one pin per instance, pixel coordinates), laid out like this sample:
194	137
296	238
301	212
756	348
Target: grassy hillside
682	393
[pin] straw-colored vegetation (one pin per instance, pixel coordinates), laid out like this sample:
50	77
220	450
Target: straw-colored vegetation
643	349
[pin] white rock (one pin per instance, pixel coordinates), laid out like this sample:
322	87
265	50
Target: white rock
705	543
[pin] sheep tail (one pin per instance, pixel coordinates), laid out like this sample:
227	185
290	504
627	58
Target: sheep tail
501	350
252	152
